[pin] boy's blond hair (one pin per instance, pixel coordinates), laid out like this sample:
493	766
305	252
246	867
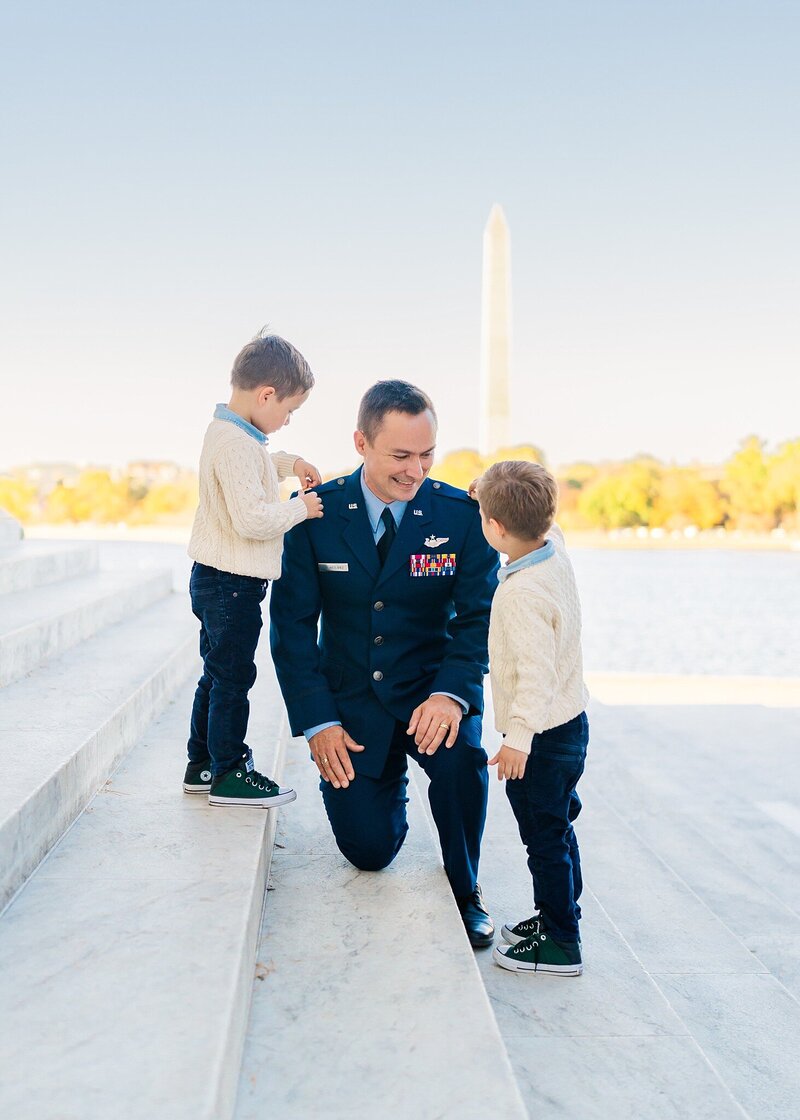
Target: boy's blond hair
521	496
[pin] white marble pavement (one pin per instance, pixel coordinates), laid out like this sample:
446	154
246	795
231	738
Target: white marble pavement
87	657
367	1000
688	1006
10	529
126	961
38	563
40	623
66	725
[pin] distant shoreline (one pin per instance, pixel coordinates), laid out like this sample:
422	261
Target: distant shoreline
736	540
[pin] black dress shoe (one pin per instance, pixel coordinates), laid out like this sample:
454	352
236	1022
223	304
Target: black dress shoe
475	916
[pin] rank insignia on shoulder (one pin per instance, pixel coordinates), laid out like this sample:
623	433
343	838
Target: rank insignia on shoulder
433	564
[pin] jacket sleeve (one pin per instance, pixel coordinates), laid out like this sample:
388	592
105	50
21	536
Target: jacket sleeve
295	605
466	660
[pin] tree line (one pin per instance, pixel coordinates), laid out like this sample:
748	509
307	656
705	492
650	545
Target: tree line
755	489
99	496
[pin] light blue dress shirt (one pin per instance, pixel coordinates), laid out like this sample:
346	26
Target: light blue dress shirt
375	508
222	412
527	561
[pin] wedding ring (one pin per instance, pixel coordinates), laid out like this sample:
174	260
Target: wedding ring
447	725
324	761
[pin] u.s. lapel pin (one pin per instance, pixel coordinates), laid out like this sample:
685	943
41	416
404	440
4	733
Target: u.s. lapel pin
353	505
418	513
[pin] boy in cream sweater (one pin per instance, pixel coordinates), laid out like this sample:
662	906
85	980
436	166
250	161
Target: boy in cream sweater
539	695
236	545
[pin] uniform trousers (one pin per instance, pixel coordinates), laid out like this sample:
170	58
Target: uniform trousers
369	817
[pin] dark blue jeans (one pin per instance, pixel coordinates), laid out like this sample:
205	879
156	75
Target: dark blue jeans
229	610
545	803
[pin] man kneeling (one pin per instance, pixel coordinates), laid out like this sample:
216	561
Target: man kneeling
402	578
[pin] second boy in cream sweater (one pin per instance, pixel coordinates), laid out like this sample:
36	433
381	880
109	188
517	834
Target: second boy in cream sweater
536	672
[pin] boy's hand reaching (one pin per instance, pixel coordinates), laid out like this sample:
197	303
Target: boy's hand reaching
313	503
509	763
307	473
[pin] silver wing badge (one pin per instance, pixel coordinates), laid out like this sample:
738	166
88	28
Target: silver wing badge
434	542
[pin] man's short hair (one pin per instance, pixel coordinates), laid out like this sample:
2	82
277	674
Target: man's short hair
523	497
390	396
270	360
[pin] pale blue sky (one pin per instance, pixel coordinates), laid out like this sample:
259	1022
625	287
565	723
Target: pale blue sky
177	174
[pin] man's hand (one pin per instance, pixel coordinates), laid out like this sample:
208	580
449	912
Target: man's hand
509	763
434	722
307	473
331	751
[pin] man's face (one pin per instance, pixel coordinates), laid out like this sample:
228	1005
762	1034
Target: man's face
398	460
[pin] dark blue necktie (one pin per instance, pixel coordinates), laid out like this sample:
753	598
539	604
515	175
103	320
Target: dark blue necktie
385	543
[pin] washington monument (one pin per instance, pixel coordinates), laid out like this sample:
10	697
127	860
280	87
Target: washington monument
495	334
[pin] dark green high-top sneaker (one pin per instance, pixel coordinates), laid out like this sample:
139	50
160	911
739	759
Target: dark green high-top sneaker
240	787
197	778
540	953
522	930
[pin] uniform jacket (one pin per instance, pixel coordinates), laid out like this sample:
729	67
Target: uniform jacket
391	636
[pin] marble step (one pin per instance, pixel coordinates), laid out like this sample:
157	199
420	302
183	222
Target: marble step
37	563
66	725
367	999
40	623
10	529
128	957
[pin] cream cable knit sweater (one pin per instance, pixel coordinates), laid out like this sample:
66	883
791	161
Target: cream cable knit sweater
535	660
240	522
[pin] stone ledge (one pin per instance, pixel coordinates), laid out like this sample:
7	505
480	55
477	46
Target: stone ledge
10	529
38	563
72	720
41	623
130	953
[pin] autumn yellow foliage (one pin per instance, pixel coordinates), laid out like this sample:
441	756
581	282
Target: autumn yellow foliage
460	468
754	489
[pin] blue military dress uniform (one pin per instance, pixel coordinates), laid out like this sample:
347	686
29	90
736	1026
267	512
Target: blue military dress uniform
390	636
